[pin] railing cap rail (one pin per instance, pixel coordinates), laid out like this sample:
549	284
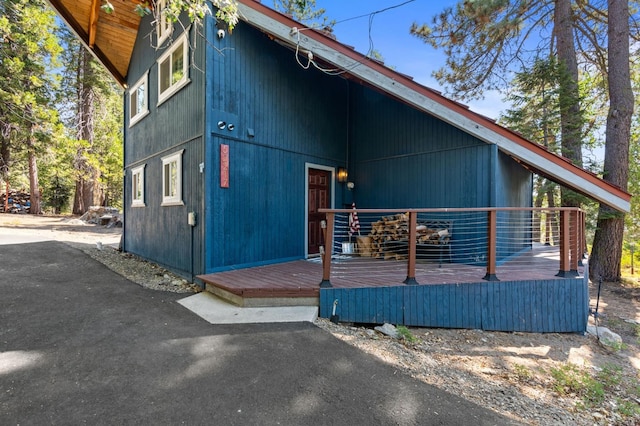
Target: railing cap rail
452	210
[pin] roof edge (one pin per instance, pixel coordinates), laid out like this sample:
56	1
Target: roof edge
428	100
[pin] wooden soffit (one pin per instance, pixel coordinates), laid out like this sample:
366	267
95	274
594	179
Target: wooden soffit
109	36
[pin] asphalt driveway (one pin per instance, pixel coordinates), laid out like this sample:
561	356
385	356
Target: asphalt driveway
81	344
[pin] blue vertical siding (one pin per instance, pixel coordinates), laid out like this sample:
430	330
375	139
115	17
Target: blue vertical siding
285	117
514	188
296	117
155	232
552	306
400	157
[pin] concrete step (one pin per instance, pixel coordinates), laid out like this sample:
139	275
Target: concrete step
217	311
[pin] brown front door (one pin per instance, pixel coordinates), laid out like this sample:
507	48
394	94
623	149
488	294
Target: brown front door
319	198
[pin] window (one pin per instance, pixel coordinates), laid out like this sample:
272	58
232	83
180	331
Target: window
137	187
172	179
163	25
138	100
173	69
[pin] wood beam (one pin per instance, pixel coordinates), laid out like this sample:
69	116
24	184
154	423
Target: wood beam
93	22
84	38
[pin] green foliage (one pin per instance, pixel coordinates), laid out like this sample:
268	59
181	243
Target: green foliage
227	10
610	376
483	39
522	372
304	11
535	99
628	408
29	53
57	194
91	105
570	379
38	112
594	390
406	334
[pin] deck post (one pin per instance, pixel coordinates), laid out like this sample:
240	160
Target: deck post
491	247
411	264
327	230
565	244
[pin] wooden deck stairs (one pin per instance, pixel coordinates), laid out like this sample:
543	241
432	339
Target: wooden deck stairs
289	284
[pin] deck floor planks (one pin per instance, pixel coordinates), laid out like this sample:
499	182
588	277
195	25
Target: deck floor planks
302	277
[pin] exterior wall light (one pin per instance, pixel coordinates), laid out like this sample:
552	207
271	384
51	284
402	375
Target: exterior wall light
221	125
230	127
342	174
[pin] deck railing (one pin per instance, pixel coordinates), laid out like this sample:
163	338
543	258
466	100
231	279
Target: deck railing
499	242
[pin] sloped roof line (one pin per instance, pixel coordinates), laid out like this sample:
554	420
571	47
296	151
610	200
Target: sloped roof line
552	165
371	72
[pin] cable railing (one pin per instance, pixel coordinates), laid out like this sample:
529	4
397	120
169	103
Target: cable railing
452	244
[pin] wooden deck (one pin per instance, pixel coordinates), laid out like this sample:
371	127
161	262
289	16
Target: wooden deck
529	296
302	278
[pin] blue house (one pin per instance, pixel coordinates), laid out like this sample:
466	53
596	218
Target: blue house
234	141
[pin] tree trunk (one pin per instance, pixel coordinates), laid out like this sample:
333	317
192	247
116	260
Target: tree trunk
569	96
537	216
5	157
552	236
34	188
87	176
606	254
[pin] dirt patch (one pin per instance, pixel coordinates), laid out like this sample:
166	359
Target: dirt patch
538	379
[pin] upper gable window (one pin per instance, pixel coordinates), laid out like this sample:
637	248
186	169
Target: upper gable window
139	100
173	67
163	25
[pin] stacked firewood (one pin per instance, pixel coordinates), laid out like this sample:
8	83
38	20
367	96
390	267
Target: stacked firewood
389	237
18	202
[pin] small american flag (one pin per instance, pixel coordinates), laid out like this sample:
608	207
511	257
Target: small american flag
354	222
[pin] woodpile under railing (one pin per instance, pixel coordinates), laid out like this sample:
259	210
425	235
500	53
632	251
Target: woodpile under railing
487	237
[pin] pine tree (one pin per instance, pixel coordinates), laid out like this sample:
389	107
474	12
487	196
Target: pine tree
28	57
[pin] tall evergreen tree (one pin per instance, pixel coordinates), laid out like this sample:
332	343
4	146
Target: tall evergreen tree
89	90
304	11
607	243
485	39
28	57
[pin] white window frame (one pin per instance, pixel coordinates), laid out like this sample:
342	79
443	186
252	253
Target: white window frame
143	82
181	43
174	199
163	25
137	182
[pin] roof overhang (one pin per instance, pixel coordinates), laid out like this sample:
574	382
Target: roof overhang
424	99
111	38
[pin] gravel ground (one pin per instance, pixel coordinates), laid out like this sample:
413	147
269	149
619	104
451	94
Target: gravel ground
538	379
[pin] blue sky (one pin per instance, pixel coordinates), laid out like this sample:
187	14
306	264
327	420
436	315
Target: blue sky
391	38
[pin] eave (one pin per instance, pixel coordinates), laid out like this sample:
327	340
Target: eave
110	37
403	88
